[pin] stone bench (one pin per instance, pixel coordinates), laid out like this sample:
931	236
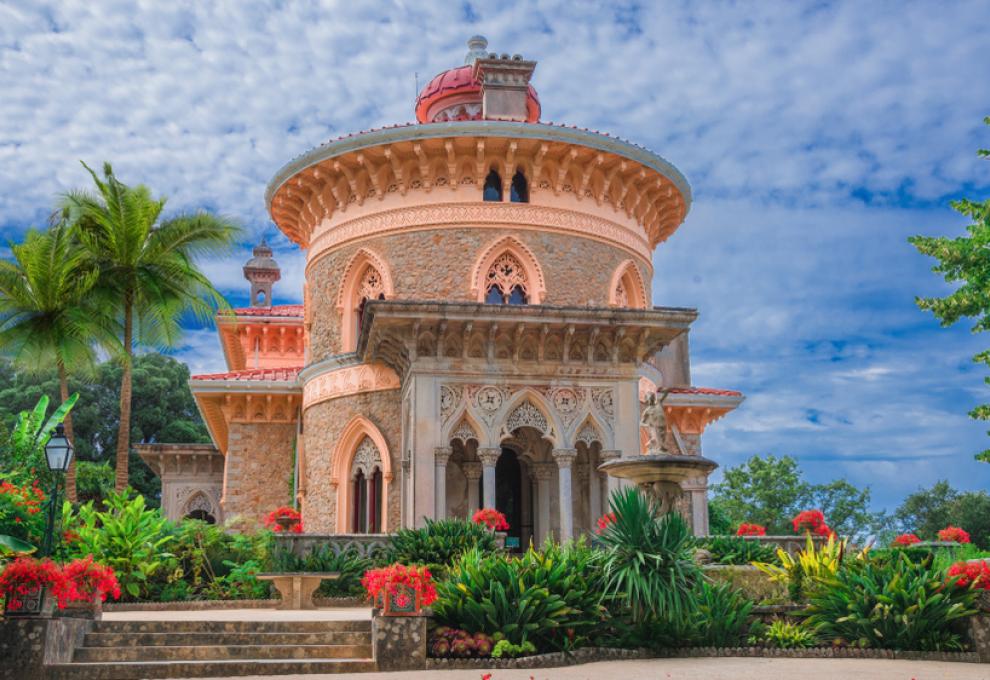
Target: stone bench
297	587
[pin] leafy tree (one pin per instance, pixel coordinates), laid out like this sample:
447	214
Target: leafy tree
47	315
966	259
147	268
927	511
846	508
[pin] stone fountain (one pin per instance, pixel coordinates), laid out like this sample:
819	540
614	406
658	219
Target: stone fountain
660	472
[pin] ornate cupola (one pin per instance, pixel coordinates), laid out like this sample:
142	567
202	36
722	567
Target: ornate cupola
262	271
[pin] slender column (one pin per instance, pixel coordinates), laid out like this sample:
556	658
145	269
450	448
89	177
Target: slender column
369	494
543	472
488	459
612	483
594	491
473	473
441	455
565	458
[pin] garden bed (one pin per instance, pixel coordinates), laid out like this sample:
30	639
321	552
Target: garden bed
593	654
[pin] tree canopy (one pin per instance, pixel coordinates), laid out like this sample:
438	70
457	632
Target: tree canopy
927	511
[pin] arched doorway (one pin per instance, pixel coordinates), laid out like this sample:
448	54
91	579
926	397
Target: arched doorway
513	498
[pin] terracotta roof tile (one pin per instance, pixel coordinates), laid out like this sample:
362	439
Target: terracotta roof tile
269	374
704	390
275	310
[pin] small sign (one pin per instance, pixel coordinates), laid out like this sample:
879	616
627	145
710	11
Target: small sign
511	541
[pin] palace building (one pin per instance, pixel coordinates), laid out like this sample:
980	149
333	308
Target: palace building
477	329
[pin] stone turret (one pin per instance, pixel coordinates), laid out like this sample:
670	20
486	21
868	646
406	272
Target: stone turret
262	271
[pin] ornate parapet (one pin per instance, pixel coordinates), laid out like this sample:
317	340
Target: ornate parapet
367	545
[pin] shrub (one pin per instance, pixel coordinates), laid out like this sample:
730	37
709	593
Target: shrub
649	564
786	635
738	550
380	583
906	541
811	566
550	597
747	529
21	511
891	604
448	641
491	518
439	544
953	534
974	575
721	615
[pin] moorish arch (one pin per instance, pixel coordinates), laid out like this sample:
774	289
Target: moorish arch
200	506
528	409
360	447
508	263
366	277
627	288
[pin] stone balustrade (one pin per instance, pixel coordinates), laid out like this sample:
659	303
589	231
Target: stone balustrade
301	545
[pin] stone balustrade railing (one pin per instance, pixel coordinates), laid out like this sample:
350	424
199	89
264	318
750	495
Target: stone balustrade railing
790	544
301	545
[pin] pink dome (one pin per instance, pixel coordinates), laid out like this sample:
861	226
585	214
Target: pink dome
460	81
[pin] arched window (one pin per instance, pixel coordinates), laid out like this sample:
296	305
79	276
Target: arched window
506	282
366	495
369	288
493	187
627	289
520	189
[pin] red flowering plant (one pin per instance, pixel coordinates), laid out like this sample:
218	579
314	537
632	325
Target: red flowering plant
491	518
953	534
747	529
25	576
284	519
604	521
906	541
91	581
393	583
21	514
970	575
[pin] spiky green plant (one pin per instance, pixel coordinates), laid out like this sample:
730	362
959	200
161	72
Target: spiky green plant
440	543
147	271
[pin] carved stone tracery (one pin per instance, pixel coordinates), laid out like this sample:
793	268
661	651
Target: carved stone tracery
371	286
506	273
366	459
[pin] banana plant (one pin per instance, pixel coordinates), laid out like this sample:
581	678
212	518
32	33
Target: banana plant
25	449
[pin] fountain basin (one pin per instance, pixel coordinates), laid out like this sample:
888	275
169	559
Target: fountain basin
664	467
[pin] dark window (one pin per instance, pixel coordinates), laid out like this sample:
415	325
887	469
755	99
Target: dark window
493	187
202	516
517	297
520	189
494	296
360	503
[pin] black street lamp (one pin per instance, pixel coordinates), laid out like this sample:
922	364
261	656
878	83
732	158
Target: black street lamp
58	454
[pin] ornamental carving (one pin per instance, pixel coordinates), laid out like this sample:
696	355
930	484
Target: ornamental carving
589	435
526	415
450	397
604	402
349	380
464	432
371	286
506	274
489	399
366	459
621	297
488	215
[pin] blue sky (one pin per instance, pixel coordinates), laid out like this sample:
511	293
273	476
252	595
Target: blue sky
817	137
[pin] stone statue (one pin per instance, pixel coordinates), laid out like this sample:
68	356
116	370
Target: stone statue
655	422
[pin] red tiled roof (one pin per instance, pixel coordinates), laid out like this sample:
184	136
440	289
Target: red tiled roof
272	374
275	310
461	80
704	390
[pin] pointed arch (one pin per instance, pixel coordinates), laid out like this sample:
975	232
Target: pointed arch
358	276
591	430
464	421
507	418
626	288
350	439
536	286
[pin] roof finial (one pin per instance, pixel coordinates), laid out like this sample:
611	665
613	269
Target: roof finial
477	49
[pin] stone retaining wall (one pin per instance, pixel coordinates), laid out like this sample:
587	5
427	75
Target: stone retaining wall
28	644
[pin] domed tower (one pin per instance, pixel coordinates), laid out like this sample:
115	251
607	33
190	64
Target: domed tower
262	271
478	327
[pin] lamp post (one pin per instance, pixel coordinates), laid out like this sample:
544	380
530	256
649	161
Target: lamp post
58	455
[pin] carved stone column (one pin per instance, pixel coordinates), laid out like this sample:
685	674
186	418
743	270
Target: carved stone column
612	483
543	472
472	471
441	455
594	491
565	458
488	458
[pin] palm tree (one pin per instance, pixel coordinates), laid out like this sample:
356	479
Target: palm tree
147	269
48	314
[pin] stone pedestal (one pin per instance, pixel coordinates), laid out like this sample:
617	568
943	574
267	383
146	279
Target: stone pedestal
399	642
28	644
979	632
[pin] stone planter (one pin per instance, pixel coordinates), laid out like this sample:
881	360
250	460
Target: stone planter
38	605
286	523
404	601
83	610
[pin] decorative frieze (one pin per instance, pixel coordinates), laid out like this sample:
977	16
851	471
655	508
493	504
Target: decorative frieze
349	380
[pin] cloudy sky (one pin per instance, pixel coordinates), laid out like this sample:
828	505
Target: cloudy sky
817	137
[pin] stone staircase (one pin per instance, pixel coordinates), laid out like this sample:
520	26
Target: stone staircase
132	650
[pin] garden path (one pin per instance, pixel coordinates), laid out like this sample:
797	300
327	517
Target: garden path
708	669
326	614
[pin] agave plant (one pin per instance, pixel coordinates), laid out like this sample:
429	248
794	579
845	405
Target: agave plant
648	564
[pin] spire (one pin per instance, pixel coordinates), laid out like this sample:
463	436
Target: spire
477	49
262	271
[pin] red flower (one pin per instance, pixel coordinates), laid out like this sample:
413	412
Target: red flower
91	580
824	530
953	534
746	529
491	518
385	581
284	513
604	521
905	540
808	520
970	575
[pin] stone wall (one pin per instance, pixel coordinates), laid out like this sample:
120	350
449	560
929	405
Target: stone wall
399	642
258	469
27	644
323	424
437	265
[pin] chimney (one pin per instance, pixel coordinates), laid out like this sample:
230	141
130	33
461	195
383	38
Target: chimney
504	86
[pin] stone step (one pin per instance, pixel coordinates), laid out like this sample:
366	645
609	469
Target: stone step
332	637
130	627
204	669
220	653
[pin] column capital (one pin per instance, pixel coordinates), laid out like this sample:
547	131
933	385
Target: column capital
489	457
542	471
564	457
472	471
442	454
609	454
